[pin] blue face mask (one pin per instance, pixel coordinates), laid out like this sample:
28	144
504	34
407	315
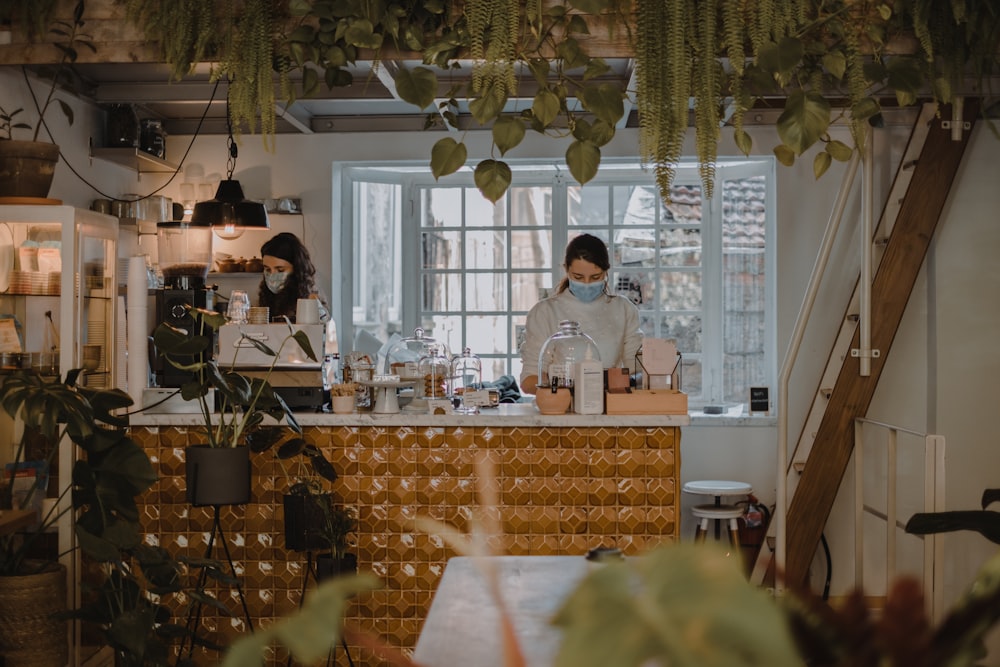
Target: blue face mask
275	281
586	292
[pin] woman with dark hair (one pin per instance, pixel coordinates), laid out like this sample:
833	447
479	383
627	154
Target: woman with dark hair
583	296
288	276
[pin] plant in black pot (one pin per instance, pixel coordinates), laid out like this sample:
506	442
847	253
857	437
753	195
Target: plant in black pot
236	424
316	523
28	167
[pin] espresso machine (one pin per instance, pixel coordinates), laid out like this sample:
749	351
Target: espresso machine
185	256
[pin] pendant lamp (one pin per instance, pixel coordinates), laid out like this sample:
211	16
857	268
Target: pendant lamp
230	212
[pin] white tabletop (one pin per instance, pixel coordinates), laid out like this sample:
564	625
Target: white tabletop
462	626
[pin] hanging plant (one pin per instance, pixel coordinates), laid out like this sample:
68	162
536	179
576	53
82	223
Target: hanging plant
715	59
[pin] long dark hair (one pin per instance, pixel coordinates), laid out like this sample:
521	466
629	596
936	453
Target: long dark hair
299	285
590	249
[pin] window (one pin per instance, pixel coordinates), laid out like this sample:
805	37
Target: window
700	270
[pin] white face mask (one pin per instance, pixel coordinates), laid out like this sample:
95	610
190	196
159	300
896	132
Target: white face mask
275	281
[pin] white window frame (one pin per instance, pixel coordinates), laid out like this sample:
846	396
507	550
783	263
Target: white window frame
412	176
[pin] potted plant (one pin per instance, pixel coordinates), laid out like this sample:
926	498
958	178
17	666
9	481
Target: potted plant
109	472
218	471
315	522
28	167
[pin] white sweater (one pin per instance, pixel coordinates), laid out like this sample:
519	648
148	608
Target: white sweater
613	323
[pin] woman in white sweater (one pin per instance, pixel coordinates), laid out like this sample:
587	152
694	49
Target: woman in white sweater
583	296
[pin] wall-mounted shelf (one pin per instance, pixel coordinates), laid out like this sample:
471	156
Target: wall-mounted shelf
133	158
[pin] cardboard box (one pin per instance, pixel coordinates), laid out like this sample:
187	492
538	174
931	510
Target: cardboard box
646	402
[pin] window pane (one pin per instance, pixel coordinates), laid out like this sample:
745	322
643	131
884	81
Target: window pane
531	249
744	273
635	247
441	207
441	250
485	291
684	207
587	205
442	291
680	247
531	206
485	250
637	286
691	382
685	329
486	334
634	205
479	212
679	290
526	288
446	329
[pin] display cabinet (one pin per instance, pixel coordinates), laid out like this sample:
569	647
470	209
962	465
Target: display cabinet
58	286
58	307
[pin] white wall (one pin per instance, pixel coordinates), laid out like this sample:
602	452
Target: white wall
939	376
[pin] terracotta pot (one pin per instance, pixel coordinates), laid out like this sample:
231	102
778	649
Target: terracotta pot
27	168
217	475
553	404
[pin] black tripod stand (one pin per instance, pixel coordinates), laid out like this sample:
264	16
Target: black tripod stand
312	571
194	613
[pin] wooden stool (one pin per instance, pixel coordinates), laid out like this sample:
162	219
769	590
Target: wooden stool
718	513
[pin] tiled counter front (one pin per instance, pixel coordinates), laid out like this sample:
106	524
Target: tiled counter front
563	490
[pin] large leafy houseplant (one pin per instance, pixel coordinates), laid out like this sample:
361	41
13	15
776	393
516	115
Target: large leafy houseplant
109	472
243	403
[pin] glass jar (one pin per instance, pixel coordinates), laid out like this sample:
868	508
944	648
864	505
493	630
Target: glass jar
435	373
560	352
466	376
405	354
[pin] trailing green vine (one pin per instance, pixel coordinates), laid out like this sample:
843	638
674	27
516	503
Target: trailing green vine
719	58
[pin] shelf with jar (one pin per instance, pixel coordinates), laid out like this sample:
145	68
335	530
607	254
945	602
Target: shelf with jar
58	274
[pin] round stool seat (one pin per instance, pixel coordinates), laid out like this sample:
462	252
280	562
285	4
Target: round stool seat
717	487
717	512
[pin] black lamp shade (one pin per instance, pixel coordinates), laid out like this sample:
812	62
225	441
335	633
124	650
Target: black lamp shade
230	209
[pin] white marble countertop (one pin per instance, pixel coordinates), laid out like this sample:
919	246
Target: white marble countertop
507	414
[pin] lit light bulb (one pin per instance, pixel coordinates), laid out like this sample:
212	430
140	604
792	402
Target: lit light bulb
228	232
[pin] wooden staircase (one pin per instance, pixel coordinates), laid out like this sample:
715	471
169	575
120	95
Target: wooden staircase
906	227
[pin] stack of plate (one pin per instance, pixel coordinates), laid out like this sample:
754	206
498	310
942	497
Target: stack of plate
29	282
53	283
97	335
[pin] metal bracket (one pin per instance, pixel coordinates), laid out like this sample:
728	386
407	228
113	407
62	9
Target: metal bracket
873	354
947	124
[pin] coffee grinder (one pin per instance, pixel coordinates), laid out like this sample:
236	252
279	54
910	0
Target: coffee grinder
185	256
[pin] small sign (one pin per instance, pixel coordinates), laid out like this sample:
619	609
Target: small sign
760	400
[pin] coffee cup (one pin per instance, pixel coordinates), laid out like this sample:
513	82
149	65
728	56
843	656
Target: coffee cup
307	311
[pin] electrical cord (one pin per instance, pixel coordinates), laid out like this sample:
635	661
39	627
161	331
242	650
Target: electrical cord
829	566
197	132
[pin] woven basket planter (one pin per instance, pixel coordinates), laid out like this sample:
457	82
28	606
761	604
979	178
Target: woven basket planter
29	635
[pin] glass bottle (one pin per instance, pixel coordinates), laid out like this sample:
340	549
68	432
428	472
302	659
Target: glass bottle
466	376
